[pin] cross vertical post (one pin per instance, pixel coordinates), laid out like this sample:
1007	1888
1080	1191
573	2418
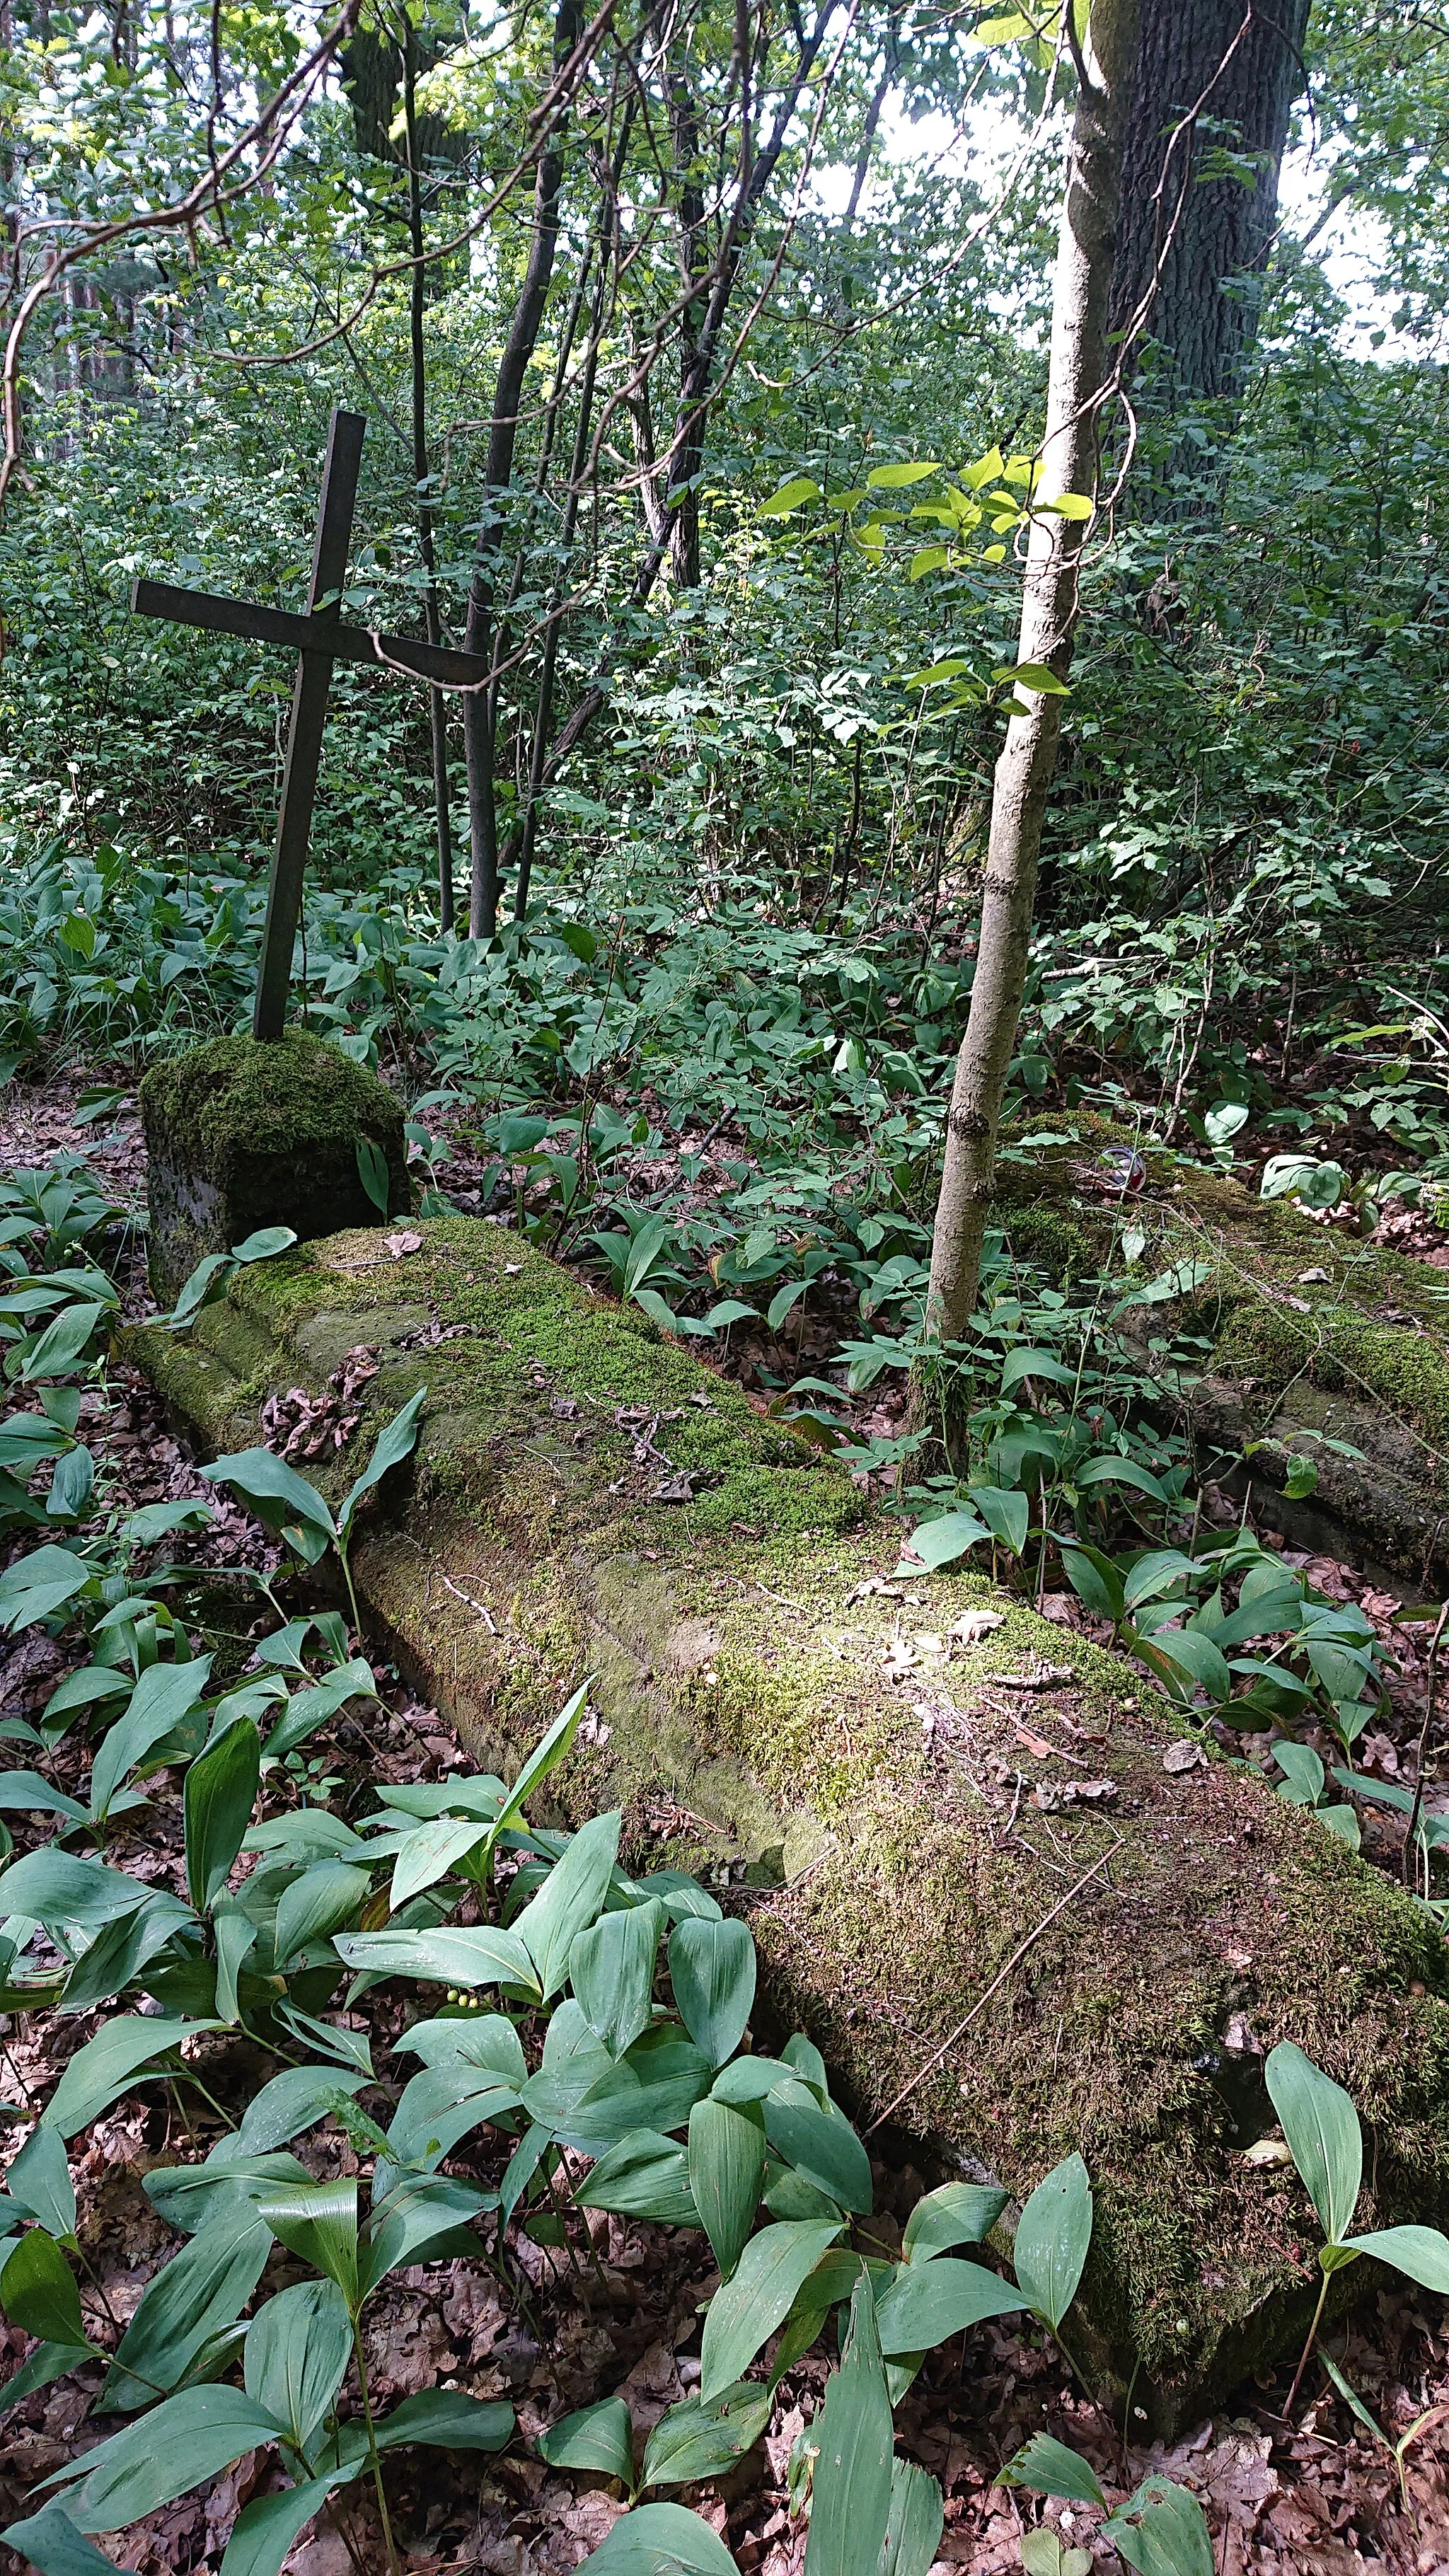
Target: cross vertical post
304	732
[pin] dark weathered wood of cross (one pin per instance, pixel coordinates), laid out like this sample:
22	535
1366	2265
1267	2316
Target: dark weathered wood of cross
320	639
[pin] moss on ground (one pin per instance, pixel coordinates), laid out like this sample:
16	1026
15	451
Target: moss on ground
901	1824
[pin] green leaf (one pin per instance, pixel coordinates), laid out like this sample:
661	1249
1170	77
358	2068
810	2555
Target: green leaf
927	2303
1161	2531
917	2519
726	2175
959	2213
373	1173
599	2437
41	1583
611	1970
550	1750
108	2064
1301	1480
661	2540
266	2530
569	1900
39	2180
318	2223
448	2419
203	2288
395	1442
1421	2253
694	2441
899	478
48	2361
275	1491
1035	676
316	1904
190	2196
1007	1514
427	2219
821	2145
308	1709
218	1795
38	2291
645	2176
484	1954
745	2312
50	2541
61	1344
25	1793
789	498
1120	1471
289	2103
179	2445
56	1888
1052	2238
1069	505
297	2350
712	1970
1049	2468
164	1697
854	2438
941	1541
1323	2134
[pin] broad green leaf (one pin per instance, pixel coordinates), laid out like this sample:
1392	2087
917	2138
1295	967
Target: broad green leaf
821	2145
204	2287
569	1900
1323	2134
449	2420
941	1541
39	2180
275	1491
693	2441
917	2519
38	2291
899	478
443	2104
482	1955
427	2219
611	1970
50	2541
1052	2240
190	2196
297	2350
1421	2253
40	1584
48	2361
550	1750
25	1793
218	1795
428	1854
180	2444
373	1172
1161	2531
318	2223
317	1903
854	2436
789	497
712	1970
119	2054
306	1710
1048	2467
484	2042
927	2303
726	2164
395	1442
162	1700
660	2540
599	2437
745	2312
266	2530
122	1949
62	1343
960	2213
644	2176
289	2103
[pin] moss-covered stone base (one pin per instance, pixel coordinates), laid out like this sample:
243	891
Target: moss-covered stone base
242	1136
1320	1346
900	1820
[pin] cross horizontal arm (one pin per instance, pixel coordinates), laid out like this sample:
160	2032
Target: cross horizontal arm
407	654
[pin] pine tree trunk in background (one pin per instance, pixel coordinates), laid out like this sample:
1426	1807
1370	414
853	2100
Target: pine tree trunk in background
1238	62
1082	360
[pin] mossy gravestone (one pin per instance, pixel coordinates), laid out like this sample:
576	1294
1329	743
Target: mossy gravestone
243	1135
1016	1906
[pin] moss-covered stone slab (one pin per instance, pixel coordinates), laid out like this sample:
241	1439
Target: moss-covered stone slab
1319	1345
901	1808
242	1136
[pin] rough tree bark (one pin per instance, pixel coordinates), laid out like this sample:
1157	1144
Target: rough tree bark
1185	235
1082	361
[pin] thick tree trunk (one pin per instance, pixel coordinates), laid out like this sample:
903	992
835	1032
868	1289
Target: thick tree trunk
1081	362
1213	79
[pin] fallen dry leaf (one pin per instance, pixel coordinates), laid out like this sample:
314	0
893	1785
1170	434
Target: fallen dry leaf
974	1625
398	1244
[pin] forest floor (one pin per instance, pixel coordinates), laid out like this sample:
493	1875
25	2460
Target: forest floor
619	2309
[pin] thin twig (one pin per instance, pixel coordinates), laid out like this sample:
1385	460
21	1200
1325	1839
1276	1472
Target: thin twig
999	1979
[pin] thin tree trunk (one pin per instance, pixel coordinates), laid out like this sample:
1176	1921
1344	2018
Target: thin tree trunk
528	312
417	290
1081	363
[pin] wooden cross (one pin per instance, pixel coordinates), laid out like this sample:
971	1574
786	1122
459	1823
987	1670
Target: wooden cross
320	639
